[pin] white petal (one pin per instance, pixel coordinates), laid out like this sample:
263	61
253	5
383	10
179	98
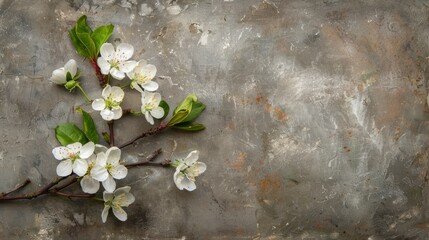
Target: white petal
107	115
75	147
178	177
80	167
101	158
59	76
65	168
109	184
117	94
127	66
71	66
99	148
122	190
91	159
106	92
89	185
150	86
104	65
156	99
136	86
98	104
113	155
105	213
87	150
117	74
148	117
124	51
107	51
192	157
119	172
148	71
61	153
131	74
188	184
198	168
120	213
158	112
124	200
107	196
99	173
117	113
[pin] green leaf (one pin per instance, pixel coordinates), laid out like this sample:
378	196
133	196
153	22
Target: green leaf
188	126
178	117
68	133
82	26
186	103
197	108
89	126
100	36
78	45
89	44
166	108
68	76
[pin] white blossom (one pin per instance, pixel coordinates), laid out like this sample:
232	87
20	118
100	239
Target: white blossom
187	170
88	183
59	76
109	105
116	200
115	61
142	75
150	106
73	158
107	168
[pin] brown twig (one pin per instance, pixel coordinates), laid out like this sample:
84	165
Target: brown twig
112	133
70	195
102	79
32	195
16	188
150	132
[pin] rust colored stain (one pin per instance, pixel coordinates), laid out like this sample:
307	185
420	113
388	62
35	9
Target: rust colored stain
347	149
276	111
270	183
239	163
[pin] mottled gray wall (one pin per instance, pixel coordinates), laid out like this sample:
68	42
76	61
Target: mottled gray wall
317	122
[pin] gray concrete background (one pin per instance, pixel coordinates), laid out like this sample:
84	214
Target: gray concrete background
317	124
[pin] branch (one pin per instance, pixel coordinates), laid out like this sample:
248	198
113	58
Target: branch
16	188
102	79
150	132
42	191
149	160
70	195
112	133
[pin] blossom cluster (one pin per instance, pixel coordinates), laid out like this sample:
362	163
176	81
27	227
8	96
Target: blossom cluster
94	163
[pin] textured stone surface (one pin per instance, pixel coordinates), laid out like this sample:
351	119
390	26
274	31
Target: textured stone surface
316	120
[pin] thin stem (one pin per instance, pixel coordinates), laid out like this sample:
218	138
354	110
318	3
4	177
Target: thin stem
108	78
42	191
102	79
70	195
125	86
16	188
112	133
150	132
84	94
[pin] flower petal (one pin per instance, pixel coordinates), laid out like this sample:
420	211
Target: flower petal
59	76
61	153
156	99
98	104
124	51
150	86
117	113
107	115
192	157
148	117
148	71
198	168
65	168
122	190
109	184
113	155
188	184
104	65
100	148
178	177
158	112
91	159
105	213
80	167
99	173
124	199
127	66
107	196
119	172
107	51
136	86
87	150
106	92
117	94
117	74
89	185
71	66
120	213
75	147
